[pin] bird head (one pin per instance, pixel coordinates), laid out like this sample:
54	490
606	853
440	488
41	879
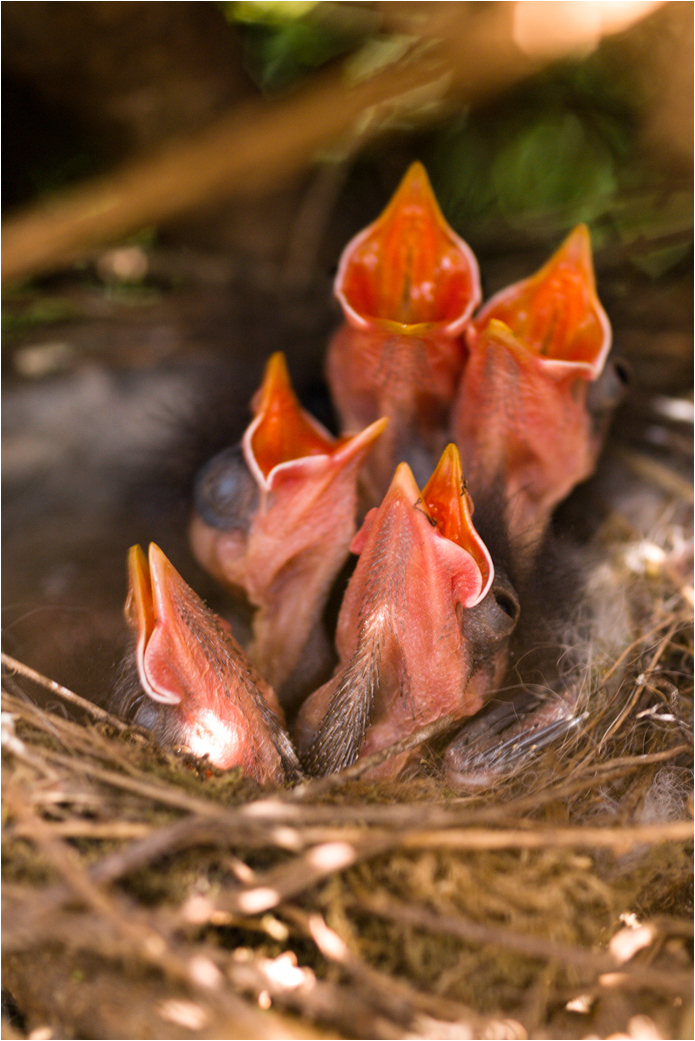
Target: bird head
275	516
422	626
409	270
199	689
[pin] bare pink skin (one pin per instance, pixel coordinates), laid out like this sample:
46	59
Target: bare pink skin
408	286
520	416
526	423
406	653
299	535
202	692
409	376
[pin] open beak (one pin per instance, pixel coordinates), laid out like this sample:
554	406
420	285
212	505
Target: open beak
207	695
294	536
521	418
411	631
451	508
409	268
556	312
282	432
408	286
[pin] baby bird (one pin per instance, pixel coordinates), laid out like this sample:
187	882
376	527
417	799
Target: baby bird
408	286
523	416
196	687
423	628
274	518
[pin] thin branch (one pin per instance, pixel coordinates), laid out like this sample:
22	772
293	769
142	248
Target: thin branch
67	695
458	52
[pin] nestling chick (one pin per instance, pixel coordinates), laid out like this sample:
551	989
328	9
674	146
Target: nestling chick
274	518
423	628
522	417
407	285
196	687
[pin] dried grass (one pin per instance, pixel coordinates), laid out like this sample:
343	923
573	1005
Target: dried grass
149	895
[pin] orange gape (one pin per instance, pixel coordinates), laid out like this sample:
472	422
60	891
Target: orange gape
418	633
198	688
556	312
520	417
408	285
295	531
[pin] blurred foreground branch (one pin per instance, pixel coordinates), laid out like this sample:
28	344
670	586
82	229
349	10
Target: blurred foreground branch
445	52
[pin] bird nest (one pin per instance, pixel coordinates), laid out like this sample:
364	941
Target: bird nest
148	894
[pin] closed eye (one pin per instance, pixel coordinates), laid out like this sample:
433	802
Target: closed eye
506	603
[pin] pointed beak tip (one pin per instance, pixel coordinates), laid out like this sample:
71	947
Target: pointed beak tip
136	556
414	193
162	576
367	437
580	233
451	456
576	249
157	559
446	479
138	605
276	380
403	472
416	180
277	364
448	502
138	570
416	169
377	428
404	482
281	431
